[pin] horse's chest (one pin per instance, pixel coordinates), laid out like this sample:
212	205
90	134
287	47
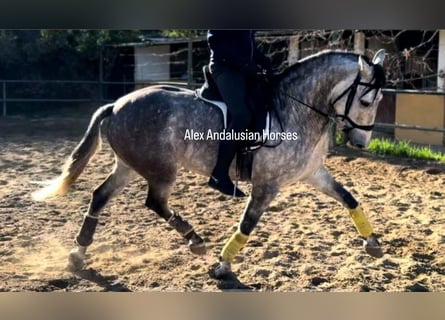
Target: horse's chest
314	159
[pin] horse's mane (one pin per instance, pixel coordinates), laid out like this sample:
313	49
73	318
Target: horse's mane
313	58
379	73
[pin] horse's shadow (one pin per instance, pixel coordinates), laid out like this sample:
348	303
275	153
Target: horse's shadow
108	283
228	282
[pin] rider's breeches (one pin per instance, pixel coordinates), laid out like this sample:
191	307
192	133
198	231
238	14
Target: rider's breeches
233	89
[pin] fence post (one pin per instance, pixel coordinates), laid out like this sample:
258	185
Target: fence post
189	62
4	97
101	76
294	49
441	62
359	42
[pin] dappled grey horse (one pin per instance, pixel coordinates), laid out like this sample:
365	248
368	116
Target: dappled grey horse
147	129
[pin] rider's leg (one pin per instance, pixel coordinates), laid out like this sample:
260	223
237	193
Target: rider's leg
232	86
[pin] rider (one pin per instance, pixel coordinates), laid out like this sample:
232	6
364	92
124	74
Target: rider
234	57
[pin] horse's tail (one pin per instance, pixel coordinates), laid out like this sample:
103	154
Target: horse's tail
79	158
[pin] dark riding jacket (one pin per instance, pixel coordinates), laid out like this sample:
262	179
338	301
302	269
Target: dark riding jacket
236	49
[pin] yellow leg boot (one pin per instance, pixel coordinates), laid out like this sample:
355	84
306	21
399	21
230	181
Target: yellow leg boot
233	246
361	222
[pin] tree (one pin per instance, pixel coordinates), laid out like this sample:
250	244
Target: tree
56	54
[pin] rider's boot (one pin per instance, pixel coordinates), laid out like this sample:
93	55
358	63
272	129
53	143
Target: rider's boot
220	179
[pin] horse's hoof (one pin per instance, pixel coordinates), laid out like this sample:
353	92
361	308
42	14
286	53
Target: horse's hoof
75	261
372	247
198	248
196	244
221	270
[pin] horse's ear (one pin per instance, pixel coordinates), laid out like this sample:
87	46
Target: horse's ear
365	71
379	57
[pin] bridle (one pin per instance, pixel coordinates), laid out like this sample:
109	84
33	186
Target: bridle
351	91
374	83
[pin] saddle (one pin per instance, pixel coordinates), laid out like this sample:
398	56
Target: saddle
209	93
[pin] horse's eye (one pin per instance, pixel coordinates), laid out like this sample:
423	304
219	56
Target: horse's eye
364	103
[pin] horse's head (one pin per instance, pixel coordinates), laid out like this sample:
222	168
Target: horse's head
356	99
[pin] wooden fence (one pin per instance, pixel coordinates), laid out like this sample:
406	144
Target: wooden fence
418	116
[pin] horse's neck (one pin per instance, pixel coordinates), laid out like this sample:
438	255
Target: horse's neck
296	116
313	86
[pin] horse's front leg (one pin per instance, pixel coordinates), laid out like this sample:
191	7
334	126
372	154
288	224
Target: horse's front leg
258	202
324	182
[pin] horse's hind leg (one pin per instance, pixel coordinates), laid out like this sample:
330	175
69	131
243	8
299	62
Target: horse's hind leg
112	185
324	182
157	200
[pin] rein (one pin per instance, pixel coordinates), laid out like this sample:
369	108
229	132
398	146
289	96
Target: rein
324	114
